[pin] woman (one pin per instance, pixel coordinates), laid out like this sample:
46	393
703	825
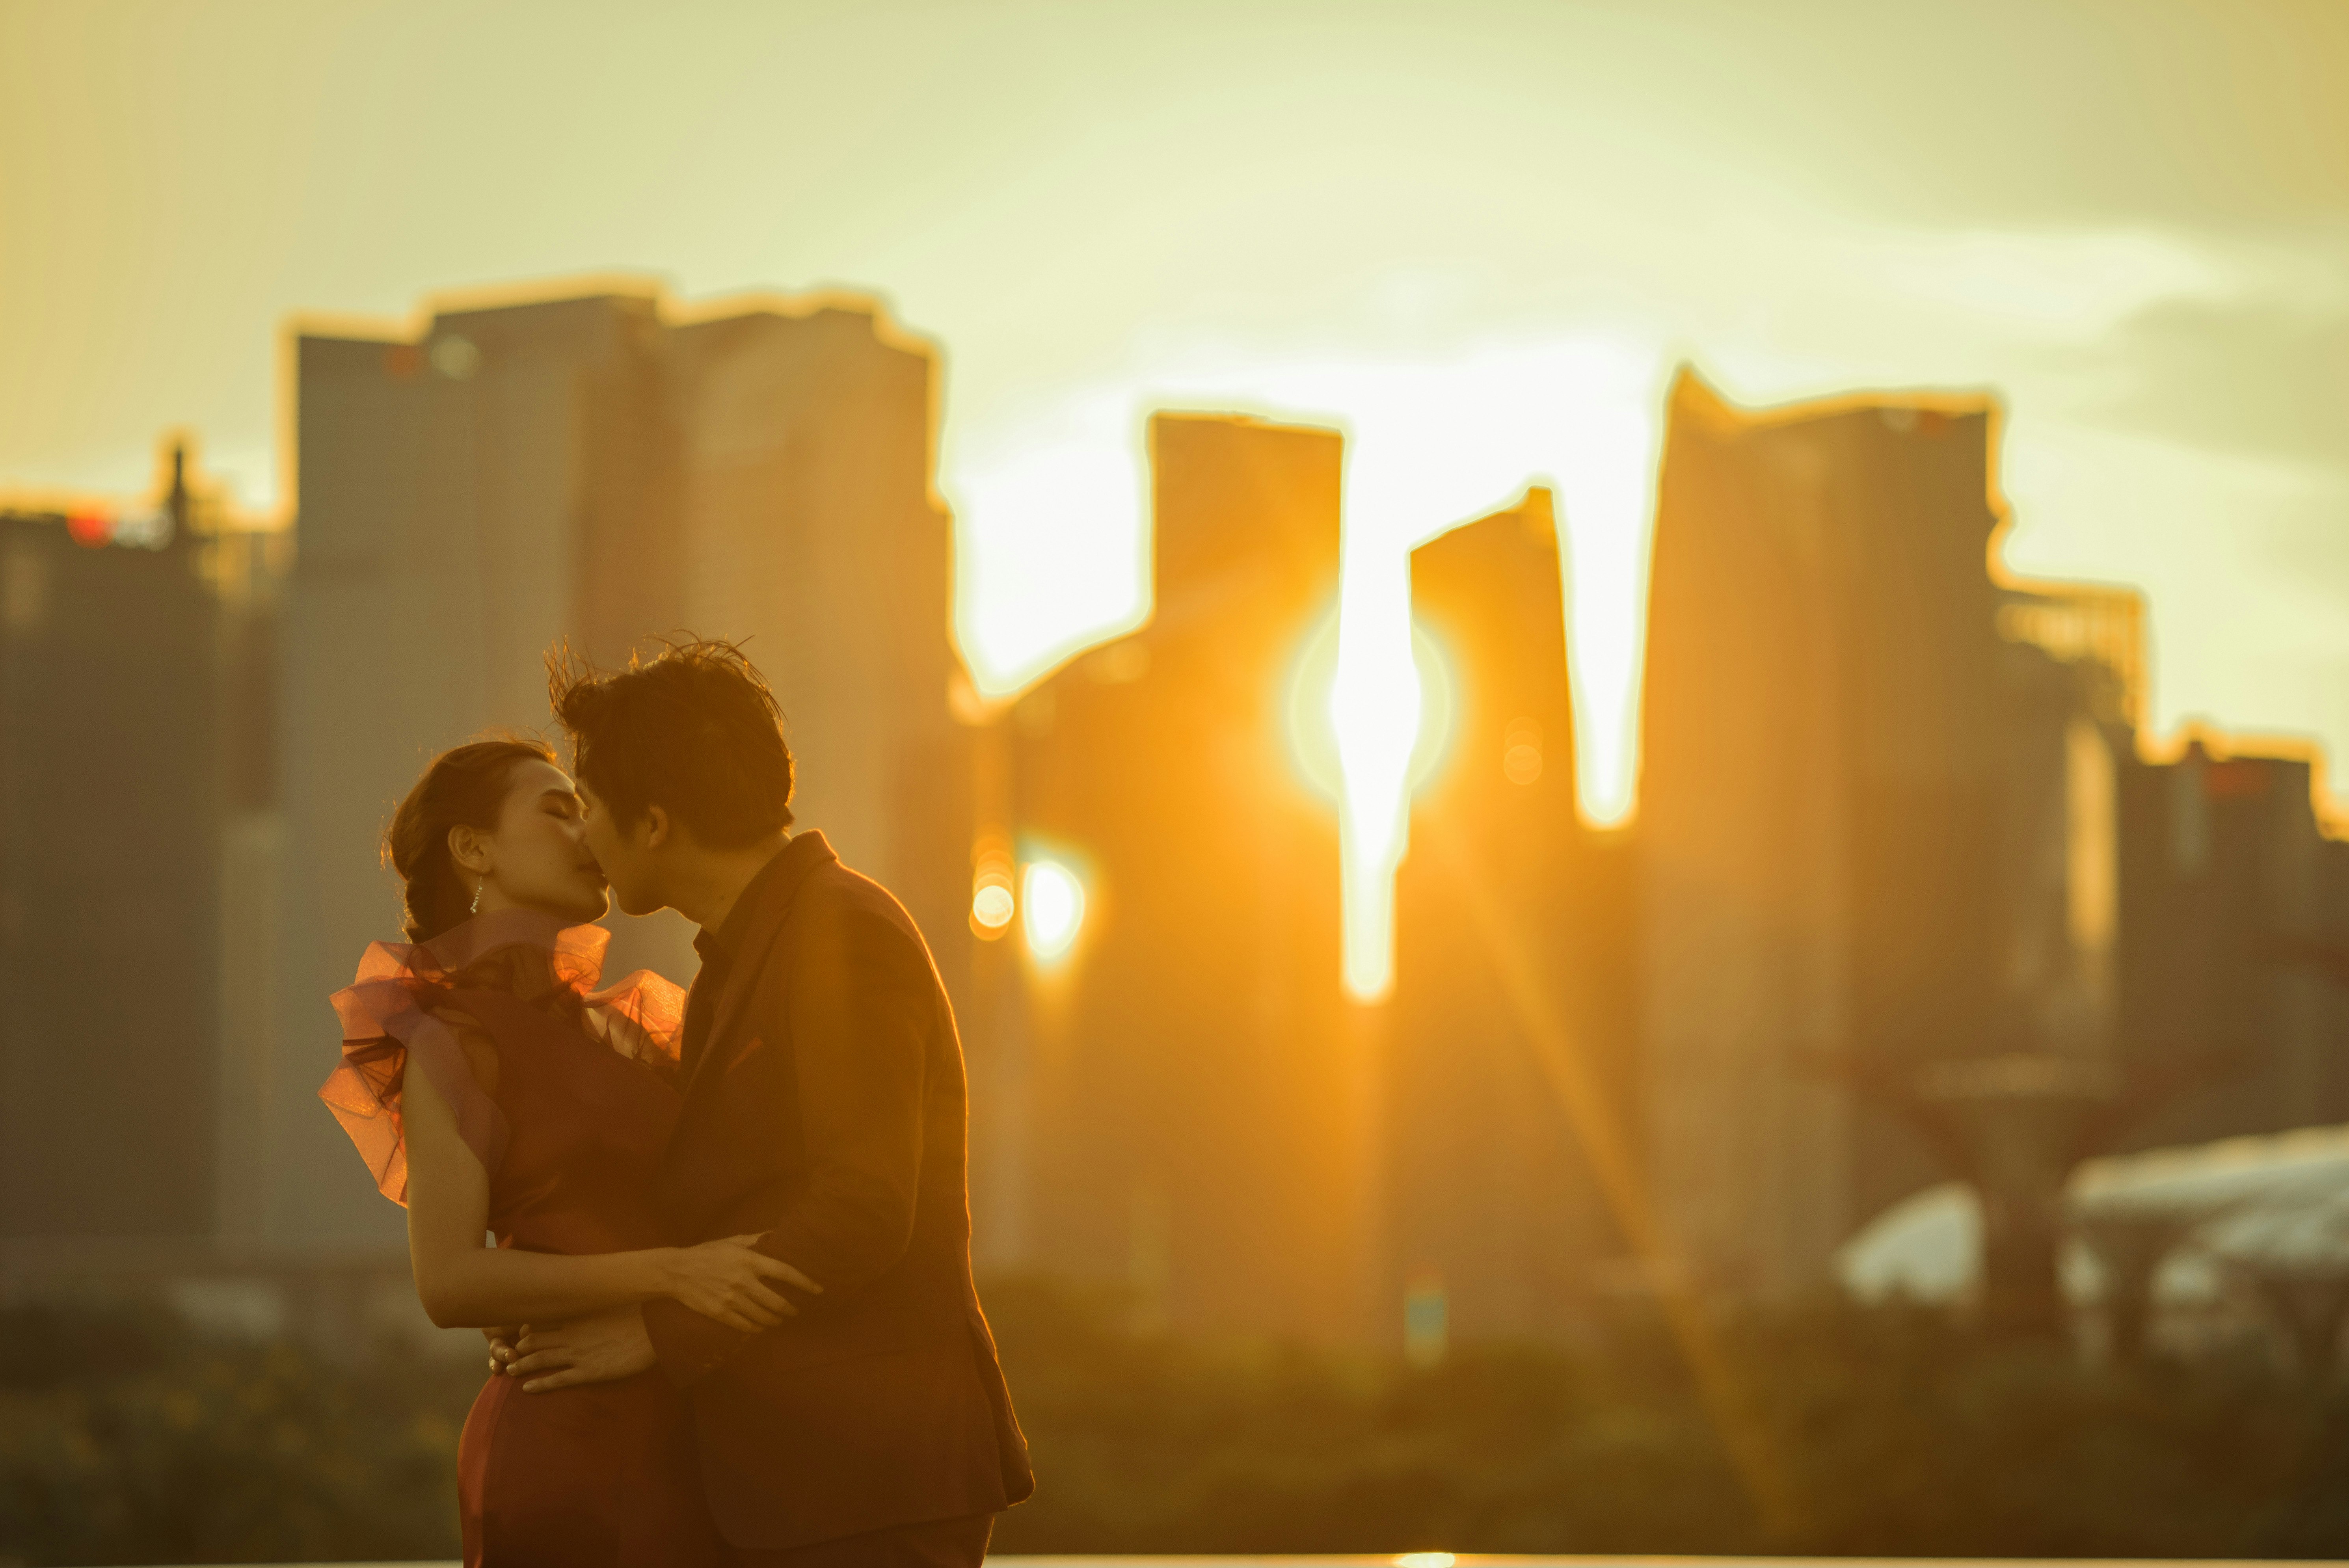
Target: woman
490	1087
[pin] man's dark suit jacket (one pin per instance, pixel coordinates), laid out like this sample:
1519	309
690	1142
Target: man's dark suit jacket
824	1105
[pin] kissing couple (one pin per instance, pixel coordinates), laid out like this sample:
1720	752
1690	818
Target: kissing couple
730	1309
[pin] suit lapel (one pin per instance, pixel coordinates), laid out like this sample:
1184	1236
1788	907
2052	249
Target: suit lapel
805	852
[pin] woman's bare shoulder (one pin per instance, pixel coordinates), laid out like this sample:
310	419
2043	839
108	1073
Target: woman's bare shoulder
474	1041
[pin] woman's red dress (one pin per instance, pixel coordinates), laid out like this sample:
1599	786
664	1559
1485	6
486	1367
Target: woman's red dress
571	1130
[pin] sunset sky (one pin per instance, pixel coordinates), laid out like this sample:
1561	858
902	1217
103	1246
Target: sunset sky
1472	234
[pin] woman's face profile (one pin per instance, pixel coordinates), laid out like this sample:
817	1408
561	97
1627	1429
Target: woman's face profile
538	856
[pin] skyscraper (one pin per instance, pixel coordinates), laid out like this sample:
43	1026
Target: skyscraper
1870	812
1198	1093
2236	918
122	677
810	531
1512	1046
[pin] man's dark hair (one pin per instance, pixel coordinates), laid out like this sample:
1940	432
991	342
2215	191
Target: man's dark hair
694	731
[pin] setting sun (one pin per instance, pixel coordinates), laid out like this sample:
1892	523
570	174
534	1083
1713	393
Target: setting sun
1430	445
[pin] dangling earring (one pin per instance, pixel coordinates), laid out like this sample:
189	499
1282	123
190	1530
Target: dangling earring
477	894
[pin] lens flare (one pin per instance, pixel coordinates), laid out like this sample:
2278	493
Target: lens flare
1053	896
991	908
1521	751
991	902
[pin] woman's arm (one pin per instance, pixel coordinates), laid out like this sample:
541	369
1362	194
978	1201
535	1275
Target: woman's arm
466	1284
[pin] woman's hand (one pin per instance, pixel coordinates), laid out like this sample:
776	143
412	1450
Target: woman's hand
727	1280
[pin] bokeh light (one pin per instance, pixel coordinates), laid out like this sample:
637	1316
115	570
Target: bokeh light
991	908
1054	897
991	901
1521	752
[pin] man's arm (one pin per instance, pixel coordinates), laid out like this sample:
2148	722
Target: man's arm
858	992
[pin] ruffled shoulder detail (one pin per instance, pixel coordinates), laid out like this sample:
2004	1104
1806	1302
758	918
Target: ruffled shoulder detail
643	1016
388	1027
387	1033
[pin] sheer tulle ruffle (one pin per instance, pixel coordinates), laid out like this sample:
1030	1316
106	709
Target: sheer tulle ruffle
388	1023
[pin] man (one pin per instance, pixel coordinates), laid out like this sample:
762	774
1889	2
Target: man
823	1105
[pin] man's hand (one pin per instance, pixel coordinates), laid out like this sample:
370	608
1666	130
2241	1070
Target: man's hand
600	1348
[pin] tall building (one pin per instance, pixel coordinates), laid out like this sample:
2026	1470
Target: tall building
1875	833
1197	1092
250	571
2236	913
126	676
588	471
1511	1052
811	531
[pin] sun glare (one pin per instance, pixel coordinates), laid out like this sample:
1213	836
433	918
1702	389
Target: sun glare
1367	746
1060	503
1310	728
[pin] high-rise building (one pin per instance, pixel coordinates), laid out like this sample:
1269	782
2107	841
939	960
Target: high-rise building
814	533
587	471
1511	1051
1875	833
128	684
2235	916
249	569
1197	1092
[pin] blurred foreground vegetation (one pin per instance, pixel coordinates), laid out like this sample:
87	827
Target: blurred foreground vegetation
126	1438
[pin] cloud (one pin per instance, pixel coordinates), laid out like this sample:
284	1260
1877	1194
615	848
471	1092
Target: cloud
2264	378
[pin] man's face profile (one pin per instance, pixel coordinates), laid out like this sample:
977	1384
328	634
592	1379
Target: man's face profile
625	853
